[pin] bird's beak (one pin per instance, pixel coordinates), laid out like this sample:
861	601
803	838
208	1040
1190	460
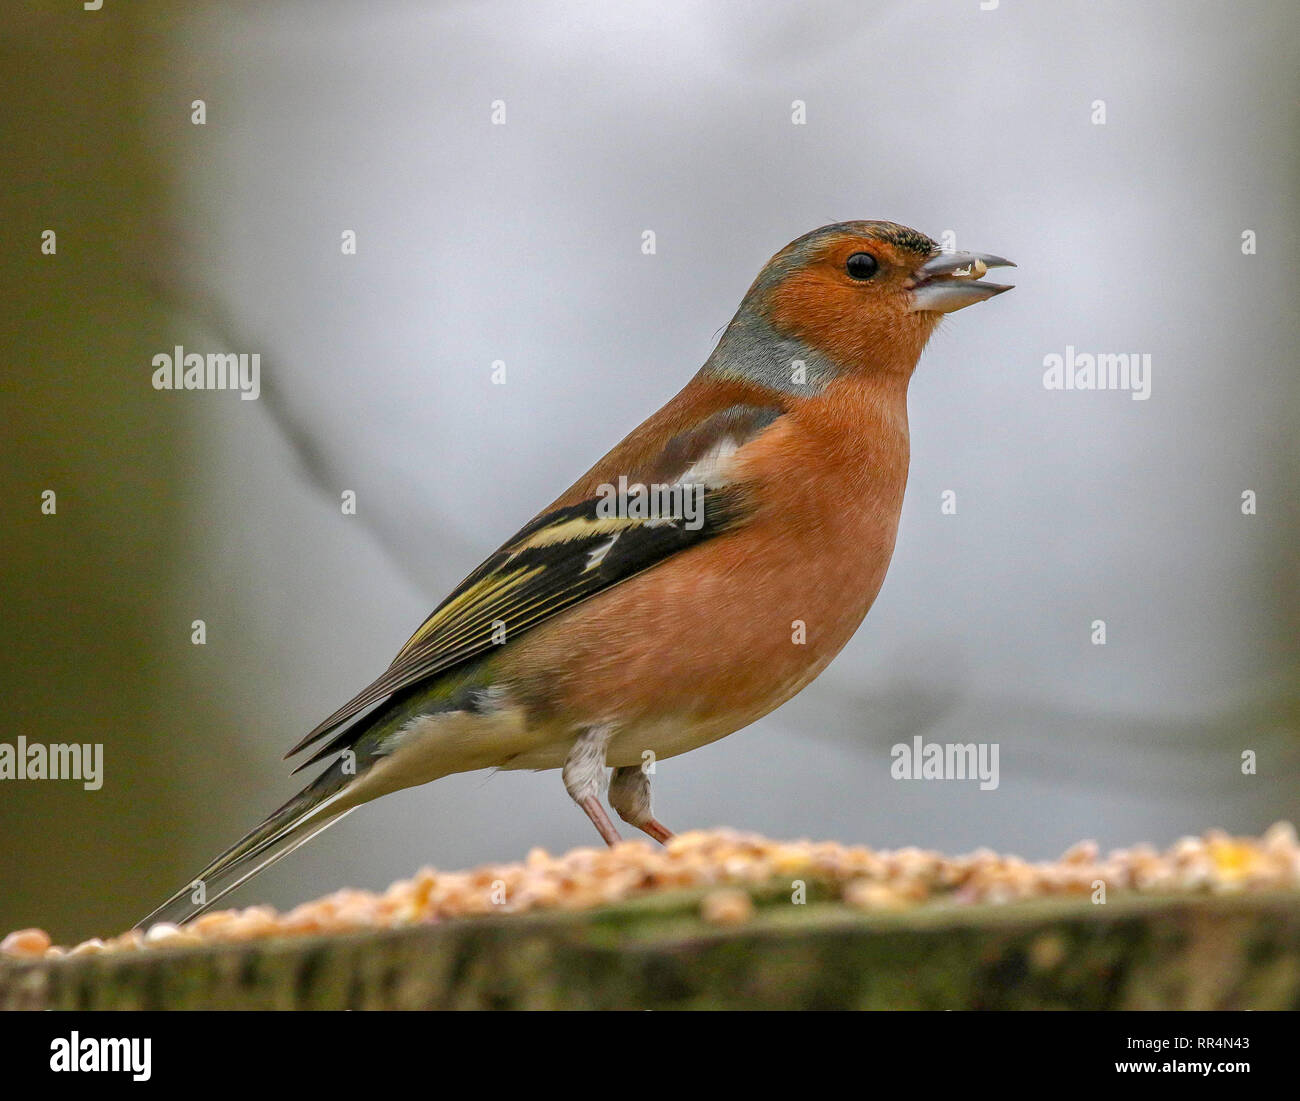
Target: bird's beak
950	281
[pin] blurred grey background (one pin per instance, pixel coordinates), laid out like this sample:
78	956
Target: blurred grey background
522	243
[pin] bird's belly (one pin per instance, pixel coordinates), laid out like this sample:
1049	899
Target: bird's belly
640	743
709	641
676	726
699	658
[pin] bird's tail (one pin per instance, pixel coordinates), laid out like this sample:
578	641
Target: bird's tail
316	807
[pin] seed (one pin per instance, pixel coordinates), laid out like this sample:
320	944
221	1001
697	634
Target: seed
727	906
26	942
866	895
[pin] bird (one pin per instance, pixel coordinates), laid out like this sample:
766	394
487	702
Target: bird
697	577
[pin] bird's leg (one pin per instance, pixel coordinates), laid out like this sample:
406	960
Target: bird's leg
629	795
584	776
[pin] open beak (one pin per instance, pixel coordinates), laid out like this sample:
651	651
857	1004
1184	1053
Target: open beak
951	280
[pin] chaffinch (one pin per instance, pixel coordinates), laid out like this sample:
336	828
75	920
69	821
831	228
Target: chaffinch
697	577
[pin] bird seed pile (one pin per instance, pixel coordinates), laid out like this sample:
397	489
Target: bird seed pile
731	866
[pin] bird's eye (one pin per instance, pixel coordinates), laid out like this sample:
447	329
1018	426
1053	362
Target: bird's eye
861	265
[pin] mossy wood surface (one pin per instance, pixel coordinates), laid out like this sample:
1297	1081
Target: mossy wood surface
1239	952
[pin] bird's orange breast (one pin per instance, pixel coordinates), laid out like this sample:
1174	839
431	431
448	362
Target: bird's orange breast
723	633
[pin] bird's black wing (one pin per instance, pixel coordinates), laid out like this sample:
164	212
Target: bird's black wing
565	556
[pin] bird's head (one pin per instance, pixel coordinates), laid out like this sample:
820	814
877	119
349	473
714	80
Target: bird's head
849	297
